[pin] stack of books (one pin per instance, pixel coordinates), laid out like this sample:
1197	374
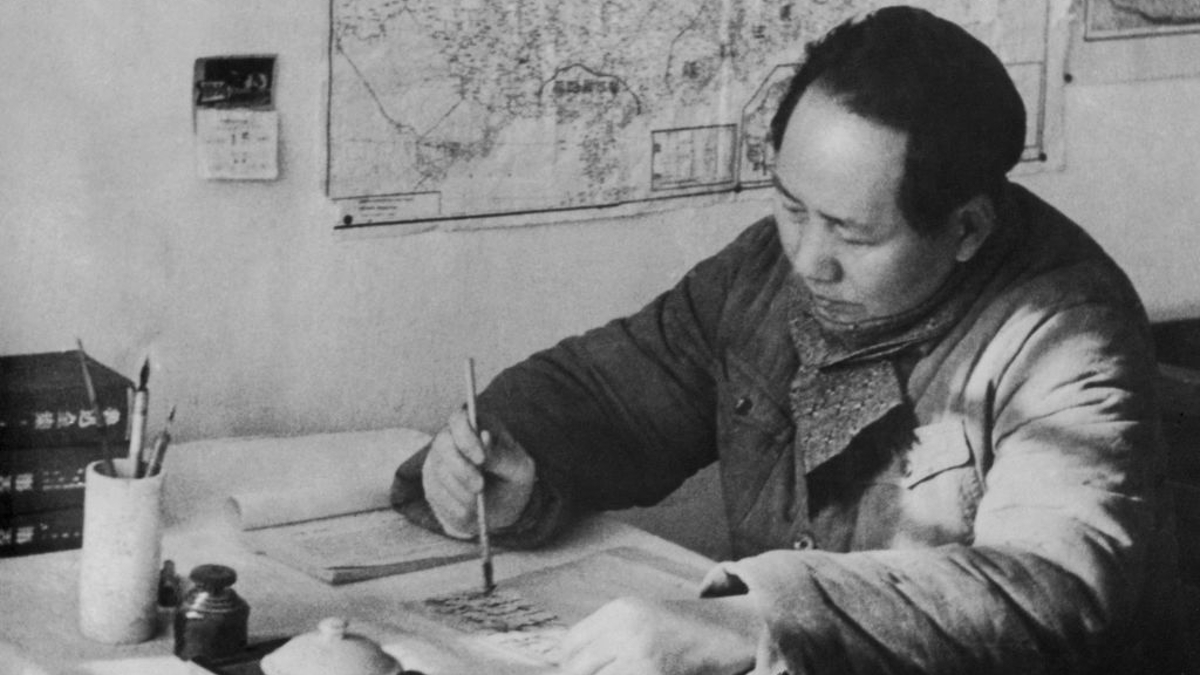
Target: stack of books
49	433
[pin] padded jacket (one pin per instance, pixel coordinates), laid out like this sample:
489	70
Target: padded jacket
1010	523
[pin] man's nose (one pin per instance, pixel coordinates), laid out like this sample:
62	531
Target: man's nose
816	259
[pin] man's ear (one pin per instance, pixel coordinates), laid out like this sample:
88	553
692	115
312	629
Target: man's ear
971	225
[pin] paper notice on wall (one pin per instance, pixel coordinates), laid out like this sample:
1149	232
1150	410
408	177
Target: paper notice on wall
237	143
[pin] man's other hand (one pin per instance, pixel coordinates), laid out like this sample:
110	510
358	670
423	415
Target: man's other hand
460	463
631	636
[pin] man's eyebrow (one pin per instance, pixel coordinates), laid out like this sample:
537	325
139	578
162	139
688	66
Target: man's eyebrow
831	218
838	221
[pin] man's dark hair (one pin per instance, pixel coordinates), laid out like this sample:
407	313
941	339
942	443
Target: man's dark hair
929	78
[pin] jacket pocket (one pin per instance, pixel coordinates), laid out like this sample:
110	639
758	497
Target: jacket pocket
938	448
939	488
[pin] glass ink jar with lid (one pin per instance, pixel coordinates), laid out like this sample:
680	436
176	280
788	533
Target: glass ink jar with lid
212	619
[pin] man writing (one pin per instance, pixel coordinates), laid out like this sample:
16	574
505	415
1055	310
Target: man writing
930	395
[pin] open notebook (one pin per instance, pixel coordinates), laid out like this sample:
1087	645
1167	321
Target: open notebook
340	526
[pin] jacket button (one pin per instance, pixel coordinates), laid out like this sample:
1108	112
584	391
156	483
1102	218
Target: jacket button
804	542
743	405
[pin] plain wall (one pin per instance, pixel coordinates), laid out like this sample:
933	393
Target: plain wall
259	319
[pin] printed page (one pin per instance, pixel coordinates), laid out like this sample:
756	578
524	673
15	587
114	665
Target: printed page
340	527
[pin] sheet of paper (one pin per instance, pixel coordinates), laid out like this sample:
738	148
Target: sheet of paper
343	478
504	619
237	144
339	495
339	526
373	538
527	616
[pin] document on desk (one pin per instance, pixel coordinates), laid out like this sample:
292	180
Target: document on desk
526	617
341	528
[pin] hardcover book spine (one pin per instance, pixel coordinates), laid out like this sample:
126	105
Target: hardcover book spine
42	479
49	433
40	532
49	420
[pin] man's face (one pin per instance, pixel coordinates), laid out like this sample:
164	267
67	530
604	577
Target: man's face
837	181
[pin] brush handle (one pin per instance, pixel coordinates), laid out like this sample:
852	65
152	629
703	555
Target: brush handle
485	547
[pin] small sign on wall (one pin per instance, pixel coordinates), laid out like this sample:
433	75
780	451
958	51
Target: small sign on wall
236	124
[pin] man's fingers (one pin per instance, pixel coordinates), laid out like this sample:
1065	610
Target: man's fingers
451	482
458	469
480	450
449	513
508	461
465	438
454	513
455	485
448	462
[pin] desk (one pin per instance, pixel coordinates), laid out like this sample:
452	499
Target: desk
38	606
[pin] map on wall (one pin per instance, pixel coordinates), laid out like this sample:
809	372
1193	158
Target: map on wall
548	110
1107	19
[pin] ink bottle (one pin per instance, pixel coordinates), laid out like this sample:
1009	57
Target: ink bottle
212	619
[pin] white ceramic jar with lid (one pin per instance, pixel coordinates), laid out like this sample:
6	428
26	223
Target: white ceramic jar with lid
330	651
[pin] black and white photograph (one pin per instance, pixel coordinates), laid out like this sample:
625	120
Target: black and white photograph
600	337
